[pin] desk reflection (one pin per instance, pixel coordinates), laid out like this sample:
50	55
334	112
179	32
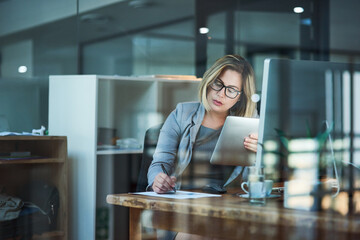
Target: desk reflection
232	217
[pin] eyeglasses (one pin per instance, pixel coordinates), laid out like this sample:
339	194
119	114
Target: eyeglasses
230	92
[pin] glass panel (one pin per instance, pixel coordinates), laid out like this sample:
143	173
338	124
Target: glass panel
152	52
308	127
34	43
129	45
160	37
37	39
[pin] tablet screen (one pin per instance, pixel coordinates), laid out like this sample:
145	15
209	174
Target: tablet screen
229	149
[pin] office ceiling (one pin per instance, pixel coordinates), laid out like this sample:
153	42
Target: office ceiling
126	17
262	20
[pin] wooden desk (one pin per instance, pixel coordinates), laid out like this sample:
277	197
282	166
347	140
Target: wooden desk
231	217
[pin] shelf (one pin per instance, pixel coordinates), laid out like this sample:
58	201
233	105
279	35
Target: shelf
30	138
49	235
127	107
45	162
30	161
119	151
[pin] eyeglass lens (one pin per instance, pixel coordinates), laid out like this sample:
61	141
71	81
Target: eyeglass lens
229	91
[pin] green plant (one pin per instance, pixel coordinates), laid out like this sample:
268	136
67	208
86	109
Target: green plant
320	138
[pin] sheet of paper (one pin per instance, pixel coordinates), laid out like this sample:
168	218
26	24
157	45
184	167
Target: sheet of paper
179	195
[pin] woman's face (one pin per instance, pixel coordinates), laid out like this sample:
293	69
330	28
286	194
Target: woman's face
218	101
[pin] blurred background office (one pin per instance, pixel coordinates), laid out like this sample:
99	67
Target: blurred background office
143	37
39	38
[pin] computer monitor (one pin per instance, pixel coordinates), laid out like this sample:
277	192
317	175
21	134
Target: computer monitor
298	97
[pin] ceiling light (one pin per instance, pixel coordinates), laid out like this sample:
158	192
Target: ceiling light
22	69
298	10
203	30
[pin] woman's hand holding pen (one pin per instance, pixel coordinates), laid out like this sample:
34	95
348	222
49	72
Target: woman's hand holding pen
251	142
163	183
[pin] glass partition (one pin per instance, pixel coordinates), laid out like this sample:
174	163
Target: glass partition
145	38
308	133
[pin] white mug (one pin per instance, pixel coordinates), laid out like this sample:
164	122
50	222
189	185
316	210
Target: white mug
256	189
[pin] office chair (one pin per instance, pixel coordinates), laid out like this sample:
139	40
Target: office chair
150	142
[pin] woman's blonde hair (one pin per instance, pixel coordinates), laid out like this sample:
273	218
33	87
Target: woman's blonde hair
244	107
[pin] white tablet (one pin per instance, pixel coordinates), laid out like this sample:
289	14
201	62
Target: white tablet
229	149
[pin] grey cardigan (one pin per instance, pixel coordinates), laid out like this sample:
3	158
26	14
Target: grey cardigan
176	140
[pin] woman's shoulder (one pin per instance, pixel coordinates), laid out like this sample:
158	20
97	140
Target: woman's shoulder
187	112
188	106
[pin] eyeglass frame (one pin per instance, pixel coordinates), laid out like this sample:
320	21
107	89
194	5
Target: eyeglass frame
223	86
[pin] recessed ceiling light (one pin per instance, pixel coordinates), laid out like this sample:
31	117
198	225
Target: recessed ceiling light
22	69
298	10
203	30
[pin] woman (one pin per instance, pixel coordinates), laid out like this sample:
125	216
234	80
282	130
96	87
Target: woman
226	89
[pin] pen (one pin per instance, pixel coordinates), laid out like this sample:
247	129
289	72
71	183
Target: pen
164	170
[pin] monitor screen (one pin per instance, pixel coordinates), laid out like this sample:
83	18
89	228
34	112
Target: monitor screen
301	99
